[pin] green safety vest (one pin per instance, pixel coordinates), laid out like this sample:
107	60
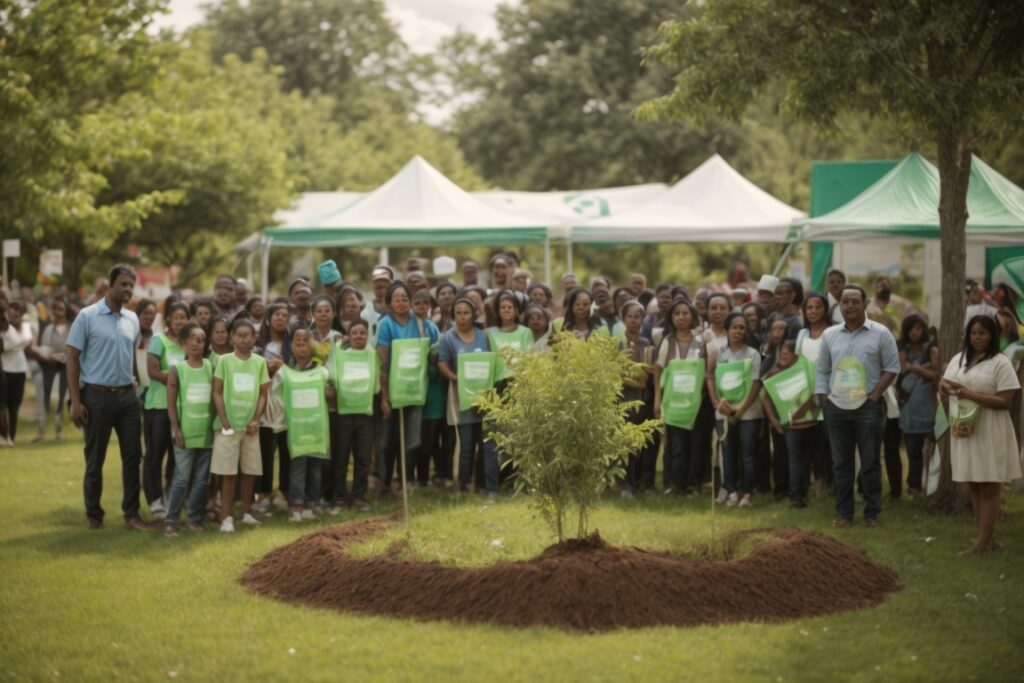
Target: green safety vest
305	411
520	339
407	377
476	372
355	378
790	389
195	405
681	384
156	393
733	381
241	387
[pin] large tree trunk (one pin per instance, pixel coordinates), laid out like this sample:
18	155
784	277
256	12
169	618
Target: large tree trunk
954	149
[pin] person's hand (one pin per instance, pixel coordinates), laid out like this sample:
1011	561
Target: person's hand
657	410
725	408
330	394
273	365
776	425
385	409
79	414
799	413
253	427
177	438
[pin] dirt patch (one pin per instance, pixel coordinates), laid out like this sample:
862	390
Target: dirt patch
583	585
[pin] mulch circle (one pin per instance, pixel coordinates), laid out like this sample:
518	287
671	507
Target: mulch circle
580	585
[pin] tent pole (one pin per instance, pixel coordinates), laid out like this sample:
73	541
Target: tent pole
781	259
265	266
568	257
384	257
547	261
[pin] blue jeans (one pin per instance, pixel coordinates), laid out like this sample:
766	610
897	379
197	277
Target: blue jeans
304	486
859	429
741	440
189	463
470	436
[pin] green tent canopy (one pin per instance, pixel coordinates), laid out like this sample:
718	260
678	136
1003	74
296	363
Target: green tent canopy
904	205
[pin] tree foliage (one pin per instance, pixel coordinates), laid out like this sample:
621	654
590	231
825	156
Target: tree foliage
951	71
347	49
563	424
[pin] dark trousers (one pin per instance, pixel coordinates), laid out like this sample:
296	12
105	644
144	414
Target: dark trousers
741	442
859	429
649	462
915	459
353	438
801	445
269	442
763	459
15	393
780	461
439	447
116	411
157	435
821	457
51	372
891	438
683	458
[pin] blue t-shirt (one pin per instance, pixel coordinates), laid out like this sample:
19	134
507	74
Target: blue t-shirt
106	342
448	353
389	329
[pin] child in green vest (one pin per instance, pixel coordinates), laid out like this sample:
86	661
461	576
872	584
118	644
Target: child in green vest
300	394
240	387
357	381
190	410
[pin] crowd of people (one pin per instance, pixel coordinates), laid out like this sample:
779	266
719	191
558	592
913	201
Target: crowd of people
766	390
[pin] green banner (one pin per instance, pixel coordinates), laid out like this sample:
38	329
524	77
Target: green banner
733	380
790	389
476	371
407	378
305	410
681	384
355	377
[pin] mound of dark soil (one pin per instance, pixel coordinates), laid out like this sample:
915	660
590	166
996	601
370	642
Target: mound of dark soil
584	585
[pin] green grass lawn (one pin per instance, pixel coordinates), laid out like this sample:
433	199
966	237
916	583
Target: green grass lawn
77	605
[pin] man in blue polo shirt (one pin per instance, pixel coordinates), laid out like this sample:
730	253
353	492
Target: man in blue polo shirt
857	362
101	380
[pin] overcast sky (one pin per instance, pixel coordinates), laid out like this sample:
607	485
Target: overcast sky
422	23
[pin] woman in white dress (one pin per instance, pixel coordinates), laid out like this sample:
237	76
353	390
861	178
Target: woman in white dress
978	385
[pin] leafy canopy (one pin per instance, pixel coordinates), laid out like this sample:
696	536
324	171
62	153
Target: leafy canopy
563	424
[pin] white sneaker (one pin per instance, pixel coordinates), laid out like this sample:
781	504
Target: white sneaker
228	525
308	515
296	516
722	495
280	502
732	499
157	507
249	520
745	502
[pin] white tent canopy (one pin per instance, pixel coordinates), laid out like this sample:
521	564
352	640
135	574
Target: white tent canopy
561	209
714	203
418	205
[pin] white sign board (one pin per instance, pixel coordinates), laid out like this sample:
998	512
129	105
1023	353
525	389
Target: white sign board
51	262
12	248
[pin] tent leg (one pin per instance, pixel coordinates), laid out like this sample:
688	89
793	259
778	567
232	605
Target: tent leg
547	261
384	257
265	268
782	259
568	258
